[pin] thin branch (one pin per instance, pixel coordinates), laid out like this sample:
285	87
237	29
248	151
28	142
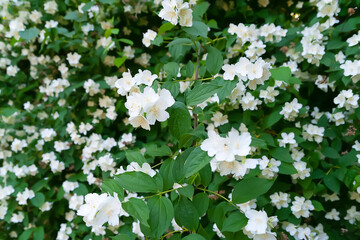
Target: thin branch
196	78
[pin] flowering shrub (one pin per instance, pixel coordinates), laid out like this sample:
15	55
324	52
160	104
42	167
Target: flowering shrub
179	119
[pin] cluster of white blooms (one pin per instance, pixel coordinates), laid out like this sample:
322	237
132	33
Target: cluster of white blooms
269	94
148	37
313	133
74	59
270	32
17	145
53	87
287	138
312	44
64	232
47	134
249	102
135	167
128	83
347	99
305	232
174	9
301	207
91	87
351	68
256	72
219	119
354	39
269	167
147	107
99	209
55	165
352	215
280	200
328	8
229	153
255	50
302	171
259	225
291	110
333	215
22	197
323	83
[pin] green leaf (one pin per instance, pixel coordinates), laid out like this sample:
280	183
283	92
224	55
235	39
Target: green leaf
189	69
39	233
281	74
29	34
38	200
39	185
138	209
156	151
272	118
332	183
7	112
281	154
119	61
199	10
258	142
127	41
180	120
165	27
287	169
26	234
161	214
317	205
187	191
330	153
186	214
200	93
198	29
135	156
214	60
196	160
179	47
172	69
107	1
348	159
250	188
194	237
113	186
226	88
234	223
137	182
121	236
72	15
201	203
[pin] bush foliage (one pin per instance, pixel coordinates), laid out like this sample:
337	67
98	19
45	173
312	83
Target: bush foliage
179	119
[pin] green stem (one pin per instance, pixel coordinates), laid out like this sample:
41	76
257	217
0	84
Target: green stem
160	193
219	195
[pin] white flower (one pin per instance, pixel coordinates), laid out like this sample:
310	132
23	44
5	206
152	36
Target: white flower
257	223
333	215
301	207
291	110
280	199
125	83
12	70
229	71
145	77
174	9
99	209
287	139
73	59
148	37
